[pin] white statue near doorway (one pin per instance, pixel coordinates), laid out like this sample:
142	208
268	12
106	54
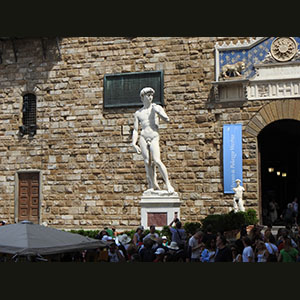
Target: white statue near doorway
238	203
148	117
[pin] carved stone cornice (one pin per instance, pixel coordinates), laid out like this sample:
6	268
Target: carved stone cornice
240	45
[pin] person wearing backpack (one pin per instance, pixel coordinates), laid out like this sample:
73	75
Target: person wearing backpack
270	243
180	237
178	233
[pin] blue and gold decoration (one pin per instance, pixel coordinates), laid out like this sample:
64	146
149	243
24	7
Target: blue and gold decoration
250	55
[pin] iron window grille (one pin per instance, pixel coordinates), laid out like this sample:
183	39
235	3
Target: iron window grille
29	115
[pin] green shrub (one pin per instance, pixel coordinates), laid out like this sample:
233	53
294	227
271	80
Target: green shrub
215	221
234	220
89	233
166	231
192	227
230	221
251	217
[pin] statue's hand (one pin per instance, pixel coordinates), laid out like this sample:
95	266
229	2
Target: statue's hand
137	149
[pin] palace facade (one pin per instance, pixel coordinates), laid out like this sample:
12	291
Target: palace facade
66	121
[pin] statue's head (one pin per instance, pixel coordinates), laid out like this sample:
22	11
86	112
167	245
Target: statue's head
147	91
238	181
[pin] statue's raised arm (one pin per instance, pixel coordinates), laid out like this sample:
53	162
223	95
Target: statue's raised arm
160	111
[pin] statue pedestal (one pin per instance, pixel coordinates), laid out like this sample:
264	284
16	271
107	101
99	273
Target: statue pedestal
158	208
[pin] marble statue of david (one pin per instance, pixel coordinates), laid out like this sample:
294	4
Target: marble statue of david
148	116
238	203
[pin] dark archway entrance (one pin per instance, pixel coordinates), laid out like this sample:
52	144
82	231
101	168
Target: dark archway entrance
279	146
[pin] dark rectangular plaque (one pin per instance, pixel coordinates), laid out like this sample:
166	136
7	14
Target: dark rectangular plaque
157	219
123	90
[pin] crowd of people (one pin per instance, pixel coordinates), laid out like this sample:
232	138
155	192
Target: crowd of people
287	215
253	245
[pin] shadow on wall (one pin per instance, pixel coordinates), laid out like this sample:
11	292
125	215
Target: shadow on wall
27	61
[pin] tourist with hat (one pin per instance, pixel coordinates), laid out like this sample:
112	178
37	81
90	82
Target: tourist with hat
174	254
165	241
173	246
160	255
124	239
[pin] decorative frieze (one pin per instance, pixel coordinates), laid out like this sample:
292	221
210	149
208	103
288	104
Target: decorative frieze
275	81
273	90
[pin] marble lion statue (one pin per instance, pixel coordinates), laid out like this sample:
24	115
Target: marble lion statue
233	70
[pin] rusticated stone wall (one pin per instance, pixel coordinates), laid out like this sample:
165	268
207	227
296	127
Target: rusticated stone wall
90	175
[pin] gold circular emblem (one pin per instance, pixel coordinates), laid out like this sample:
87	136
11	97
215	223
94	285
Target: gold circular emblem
284	48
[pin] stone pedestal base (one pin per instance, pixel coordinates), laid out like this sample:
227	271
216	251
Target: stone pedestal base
159	208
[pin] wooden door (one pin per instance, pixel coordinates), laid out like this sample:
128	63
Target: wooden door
28	197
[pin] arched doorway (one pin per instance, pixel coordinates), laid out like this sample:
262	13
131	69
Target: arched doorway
279	148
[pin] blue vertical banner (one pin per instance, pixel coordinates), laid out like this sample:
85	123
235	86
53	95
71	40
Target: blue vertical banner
232	156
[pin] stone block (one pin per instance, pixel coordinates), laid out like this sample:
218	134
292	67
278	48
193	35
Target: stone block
67	217
158	207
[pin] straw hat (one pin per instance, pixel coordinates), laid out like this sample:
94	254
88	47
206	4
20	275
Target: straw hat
124	239
173	246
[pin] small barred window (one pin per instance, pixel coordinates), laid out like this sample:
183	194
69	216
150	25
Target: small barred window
29	115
